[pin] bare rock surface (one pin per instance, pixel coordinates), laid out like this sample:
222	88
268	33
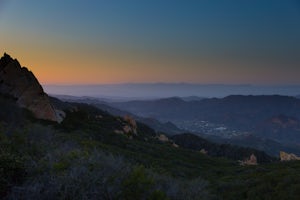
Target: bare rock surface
252	160
288	157
21	84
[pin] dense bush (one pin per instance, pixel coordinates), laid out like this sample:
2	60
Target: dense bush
12	171
58	167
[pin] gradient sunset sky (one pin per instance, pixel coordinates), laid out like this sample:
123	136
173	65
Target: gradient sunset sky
194	41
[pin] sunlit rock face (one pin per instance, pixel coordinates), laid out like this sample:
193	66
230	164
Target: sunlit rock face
287	157
252	160
131	127
20	83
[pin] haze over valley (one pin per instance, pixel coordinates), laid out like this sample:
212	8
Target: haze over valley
164	90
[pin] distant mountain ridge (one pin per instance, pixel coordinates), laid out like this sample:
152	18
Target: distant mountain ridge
236	111
144	91
237	117
192	98
20	83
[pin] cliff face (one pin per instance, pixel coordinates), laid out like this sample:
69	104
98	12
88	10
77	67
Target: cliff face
20	83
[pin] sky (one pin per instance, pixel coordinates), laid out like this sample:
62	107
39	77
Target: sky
165	41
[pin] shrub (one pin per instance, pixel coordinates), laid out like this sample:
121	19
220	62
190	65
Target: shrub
12	171
137	185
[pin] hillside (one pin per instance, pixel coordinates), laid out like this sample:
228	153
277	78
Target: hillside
92	154
270	146
41	159
158	126
280	128
190	141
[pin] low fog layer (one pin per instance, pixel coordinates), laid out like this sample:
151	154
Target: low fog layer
160	90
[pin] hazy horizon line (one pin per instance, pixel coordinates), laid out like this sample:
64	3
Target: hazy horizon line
172	83
171	89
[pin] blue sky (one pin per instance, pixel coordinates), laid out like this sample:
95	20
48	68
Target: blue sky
114	41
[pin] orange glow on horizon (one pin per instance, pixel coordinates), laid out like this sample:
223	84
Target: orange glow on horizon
68	65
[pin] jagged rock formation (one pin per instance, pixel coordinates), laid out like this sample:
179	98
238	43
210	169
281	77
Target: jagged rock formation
287	157
131	127
20	83
251	161
163	138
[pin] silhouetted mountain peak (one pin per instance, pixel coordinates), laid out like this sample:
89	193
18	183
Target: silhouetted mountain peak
21	84
5	60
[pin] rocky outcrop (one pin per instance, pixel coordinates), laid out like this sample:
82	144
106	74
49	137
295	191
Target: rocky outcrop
288	157
163	138
131	127
251	161
20	83
203	151
175	145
